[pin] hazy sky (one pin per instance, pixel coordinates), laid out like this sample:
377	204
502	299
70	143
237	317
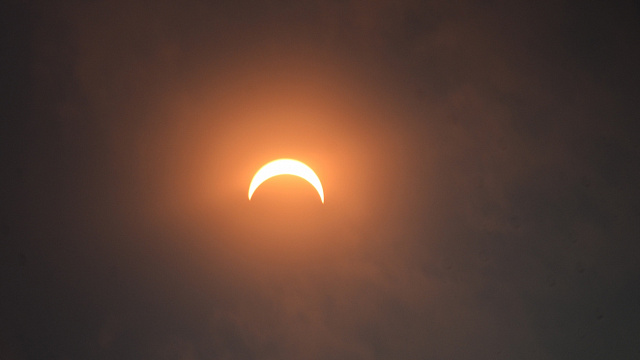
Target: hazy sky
480	162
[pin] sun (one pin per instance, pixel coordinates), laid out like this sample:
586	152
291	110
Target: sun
286	167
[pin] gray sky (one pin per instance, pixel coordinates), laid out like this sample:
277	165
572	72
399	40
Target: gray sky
480	165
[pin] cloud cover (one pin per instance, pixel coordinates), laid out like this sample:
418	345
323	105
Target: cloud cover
480	165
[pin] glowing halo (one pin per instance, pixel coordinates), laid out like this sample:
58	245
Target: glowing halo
286	167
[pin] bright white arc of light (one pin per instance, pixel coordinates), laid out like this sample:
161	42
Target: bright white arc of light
286	167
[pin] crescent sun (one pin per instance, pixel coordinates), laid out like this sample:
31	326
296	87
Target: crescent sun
286	167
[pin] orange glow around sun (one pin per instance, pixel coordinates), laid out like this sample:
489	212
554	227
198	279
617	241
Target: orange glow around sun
286	167
207	148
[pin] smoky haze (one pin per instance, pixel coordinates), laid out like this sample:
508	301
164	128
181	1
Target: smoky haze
480	164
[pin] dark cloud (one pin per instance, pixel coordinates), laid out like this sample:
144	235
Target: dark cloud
480	164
